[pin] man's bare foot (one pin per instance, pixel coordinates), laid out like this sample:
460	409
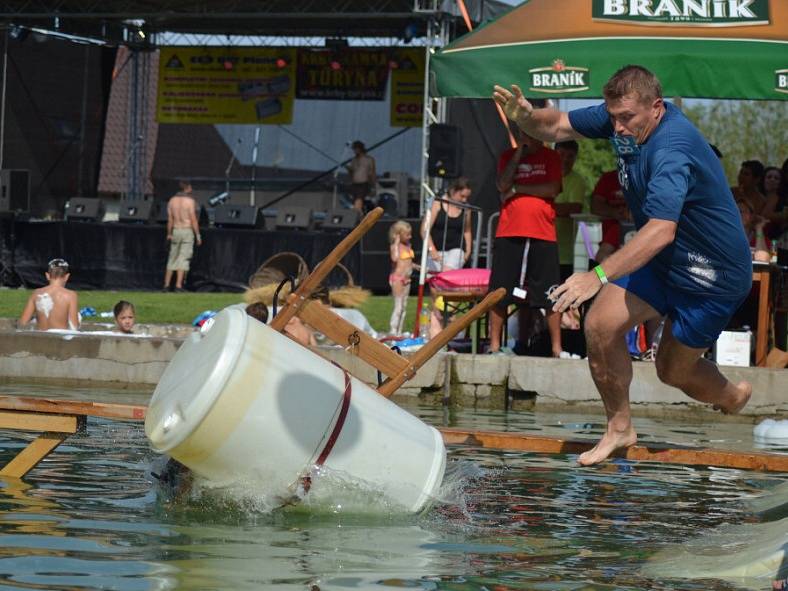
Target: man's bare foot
740	400
610	442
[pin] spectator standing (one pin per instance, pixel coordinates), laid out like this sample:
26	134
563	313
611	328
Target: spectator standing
182	231
753	227
402	255
363	176
573	198
775	189
449	238
750	176
525	252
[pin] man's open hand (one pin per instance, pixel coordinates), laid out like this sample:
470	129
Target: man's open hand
514	104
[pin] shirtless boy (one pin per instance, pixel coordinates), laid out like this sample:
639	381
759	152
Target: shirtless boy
53	306
182	230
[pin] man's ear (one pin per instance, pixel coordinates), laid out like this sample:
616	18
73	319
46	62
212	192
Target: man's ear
657	106
46	274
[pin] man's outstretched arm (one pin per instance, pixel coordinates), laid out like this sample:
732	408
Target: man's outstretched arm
647	243
548	125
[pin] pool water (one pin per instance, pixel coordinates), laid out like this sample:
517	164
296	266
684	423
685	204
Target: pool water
91	516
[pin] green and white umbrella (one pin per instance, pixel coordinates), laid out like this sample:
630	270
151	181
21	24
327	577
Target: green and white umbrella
733	49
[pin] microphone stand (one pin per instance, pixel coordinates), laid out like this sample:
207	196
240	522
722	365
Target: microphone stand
229	167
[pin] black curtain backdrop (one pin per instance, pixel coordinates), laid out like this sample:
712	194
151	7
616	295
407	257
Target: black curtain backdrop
133	256
483	139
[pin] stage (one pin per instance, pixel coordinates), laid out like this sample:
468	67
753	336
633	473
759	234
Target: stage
133	256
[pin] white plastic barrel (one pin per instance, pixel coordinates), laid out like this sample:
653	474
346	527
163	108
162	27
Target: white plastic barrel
244	403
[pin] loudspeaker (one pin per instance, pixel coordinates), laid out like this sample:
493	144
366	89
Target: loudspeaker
238	216
14	190
159	215
136	212
294	218
445	151
341	219
84	209
377	239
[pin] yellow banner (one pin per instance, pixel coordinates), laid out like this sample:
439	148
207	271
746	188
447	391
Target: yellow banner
226	85
407	88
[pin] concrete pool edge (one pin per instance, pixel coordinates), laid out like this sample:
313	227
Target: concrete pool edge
476	381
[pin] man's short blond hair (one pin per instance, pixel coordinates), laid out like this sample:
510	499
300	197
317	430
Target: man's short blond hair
633	80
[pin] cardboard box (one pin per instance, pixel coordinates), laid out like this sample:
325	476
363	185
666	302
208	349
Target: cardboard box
733	348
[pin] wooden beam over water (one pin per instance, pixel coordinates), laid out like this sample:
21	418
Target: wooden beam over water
687	456
503	440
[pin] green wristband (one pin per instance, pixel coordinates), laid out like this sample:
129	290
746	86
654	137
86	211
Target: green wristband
601	274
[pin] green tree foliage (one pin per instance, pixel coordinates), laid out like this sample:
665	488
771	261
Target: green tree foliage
594	158
744	130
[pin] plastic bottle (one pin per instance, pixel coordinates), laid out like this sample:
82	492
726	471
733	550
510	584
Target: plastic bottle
424	322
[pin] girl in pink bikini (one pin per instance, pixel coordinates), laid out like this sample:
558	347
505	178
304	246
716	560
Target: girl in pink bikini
402	266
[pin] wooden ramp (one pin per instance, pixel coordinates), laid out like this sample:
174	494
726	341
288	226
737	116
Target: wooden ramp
57	419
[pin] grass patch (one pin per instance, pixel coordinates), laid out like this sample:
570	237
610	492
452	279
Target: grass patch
181	308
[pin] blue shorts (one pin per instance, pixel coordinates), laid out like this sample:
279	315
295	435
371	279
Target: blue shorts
697	319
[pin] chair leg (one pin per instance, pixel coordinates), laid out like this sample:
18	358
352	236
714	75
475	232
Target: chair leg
37	450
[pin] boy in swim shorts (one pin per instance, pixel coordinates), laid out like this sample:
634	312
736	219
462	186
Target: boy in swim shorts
53	306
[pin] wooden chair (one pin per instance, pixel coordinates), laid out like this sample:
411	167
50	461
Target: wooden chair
397	368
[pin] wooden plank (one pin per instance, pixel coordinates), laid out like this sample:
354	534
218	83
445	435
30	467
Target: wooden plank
688	456
36	421
440	340
129	412
343	333
29	457
763	276
296	300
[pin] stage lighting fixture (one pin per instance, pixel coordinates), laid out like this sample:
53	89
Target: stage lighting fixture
18	33
410	32
218	199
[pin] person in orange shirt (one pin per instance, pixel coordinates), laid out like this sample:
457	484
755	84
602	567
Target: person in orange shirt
525	251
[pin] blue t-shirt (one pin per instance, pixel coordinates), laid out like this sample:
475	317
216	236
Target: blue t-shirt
676	176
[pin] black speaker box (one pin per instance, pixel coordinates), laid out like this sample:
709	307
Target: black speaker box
238	216
294	218
377	239
445	151
84	209
14	190
136	212
341	219
159	215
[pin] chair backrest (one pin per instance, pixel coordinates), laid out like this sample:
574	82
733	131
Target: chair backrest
279	266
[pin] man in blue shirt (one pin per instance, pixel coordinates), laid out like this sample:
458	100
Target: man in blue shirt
689	260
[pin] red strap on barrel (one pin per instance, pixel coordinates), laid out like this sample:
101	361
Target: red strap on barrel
306	480
332	439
